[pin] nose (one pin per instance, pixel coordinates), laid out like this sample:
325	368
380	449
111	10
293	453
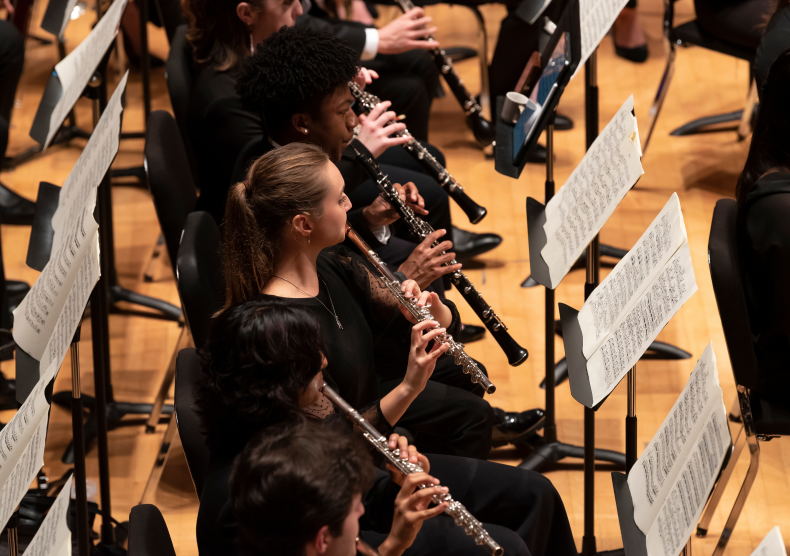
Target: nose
352	120
298	9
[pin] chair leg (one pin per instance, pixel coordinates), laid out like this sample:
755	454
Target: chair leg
721	484
735	412
751	474
184	341
661	95
745	127
161	460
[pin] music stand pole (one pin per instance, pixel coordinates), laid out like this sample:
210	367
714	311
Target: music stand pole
80	486
13	533
630	422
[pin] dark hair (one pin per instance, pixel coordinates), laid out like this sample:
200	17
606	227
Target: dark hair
770	148
259	358
293	71
281	184
290	481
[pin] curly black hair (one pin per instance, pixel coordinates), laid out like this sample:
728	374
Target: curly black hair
260	356
293	71
291	480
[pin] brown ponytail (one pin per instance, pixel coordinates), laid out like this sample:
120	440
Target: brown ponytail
279	185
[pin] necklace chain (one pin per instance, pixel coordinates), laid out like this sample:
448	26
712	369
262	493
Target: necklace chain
332	312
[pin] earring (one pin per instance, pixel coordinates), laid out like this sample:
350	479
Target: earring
308	240
252	45
304	130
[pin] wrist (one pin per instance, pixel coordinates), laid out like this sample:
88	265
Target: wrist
407	392
390	548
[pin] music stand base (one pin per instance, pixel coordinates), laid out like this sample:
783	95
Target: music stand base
64	135
168	310
553	452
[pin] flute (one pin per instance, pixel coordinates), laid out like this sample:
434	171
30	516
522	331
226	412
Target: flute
483	130
389	281
454	509
454	189
516	354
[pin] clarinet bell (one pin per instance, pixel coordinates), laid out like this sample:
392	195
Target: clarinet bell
473	211
482	129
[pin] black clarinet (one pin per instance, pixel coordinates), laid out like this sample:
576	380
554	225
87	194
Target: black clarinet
516	354
483	130
455	190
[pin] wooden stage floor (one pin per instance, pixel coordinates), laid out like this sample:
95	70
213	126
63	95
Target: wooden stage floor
701	169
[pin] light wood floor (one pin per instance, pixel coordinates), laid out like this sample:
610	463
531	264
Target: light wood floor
701	169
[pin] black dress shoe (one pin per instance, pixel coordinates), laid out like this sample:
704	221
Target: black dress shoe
469	244
638	54
512	426
562	123
471	333
15	209
537	155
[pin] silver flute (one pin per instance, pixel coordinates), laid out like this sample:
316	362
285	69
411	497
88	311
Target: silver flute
456	510
455	190
421	229
391	282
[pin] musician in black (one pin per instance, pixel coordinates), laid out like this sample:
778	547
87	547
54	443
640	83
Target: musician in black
763	195
297	491
264	365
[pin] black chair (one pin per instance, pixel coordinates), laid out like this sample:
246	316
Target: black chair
201	282
148	534
762	420
193	439
691	34
179	73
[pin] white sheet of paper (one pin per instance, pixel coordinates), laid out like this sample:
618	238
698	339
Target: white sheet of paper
54	536
635	331
772	545
596	18
67	17
24	471
582	206
660	463
616	295
76	69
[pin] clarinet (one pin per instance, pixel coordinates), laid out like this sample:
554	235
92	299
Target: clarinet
516	354
456	510
482	129
389	281
454	189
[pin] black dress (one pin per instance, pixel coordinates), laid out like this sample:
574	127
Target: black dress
367	358
764	240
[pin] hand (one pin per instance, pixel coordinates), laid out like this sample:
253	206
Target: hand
365	76
424	265
380	213
375	133
422	362
411	195
8	6
360	13
411	509
407	452
441	313
407	33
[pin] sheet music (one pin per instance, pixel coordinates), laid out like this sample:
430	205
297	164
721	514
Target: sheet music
45	321
772	545
617	294
637	329
581	207
75	70
54	536
596	18
23	473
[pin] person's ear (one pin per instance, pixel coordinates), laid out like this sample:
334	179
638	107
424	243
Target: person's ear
245	13
301	123
302	225
323	540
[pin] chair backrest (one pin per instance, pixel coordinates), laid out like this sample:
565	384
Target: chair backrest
169	178
148	534
193	439
201	282
171	16
179	73
725	273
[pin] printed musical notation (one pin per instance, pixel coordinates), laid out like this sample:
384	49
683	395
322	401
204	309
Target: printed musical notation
671	480
772	545
582	206
596	18
635	272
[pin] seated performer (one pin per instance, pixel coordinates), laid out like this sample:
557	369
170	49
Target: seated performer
264	365
764	233
297	490
279	225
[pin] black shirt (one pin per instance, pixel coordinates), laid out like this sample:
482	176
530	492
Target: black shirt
765	264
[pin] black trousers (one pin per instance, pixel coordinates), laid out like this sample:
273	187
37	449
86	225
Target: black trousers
410	81
520	509
12	60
